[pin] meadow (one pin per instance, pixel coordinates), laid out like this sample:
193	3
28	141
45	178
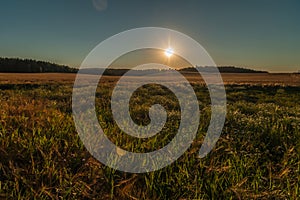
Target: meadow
257	156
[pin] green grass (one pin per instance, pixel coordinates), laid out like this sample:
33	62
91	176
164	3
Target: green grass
257	156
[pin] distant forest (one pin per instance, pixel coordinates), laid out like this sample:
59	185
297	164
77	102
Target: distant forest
222	69
17	65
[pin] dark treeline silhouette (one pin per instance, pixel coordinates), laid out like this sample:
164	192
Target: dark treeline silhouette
108	72
121	72
222	69
17	65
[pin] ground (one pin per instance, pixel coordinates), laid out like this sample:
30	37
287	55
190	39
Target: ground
257	156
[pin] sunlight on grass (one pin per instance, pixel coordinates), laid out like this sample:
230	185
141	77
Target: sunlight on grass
257	155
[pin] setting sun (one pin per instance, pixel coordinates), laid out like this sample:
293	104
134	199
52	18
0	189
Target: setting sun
169	52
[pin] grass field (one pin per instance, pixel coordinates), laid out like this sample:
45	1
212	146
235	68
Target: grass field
282	79
257	156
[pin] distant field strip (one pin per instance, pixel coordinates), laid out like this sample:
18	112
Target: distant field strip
229	78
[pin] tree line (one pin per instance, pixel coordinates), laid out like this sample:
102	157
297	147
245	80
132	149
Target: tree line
222	69
17	65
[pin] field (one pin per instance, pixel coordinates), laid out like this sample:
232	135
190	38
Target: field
229	78
257	156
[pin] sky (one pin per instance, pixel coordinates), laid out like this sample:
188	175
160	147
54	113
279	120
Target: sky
257	34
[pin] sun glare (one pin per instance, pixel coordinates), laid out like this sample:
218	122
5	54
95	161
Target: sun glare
169	52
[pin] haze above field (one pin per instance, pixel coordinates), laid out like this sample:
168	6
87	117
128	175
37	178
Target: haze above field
261	35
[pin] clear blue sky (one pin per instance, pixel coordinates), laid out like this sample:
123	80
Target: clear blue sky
260	34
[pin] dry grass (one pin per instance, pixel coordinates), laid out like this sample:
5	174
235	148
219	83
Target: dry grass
228	78
42	157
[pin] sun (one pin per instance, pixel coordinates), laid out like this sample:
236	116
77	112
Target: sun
169	52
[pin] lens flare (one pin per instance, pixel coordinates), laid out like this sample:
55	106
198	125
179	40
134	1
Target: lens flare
169	52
